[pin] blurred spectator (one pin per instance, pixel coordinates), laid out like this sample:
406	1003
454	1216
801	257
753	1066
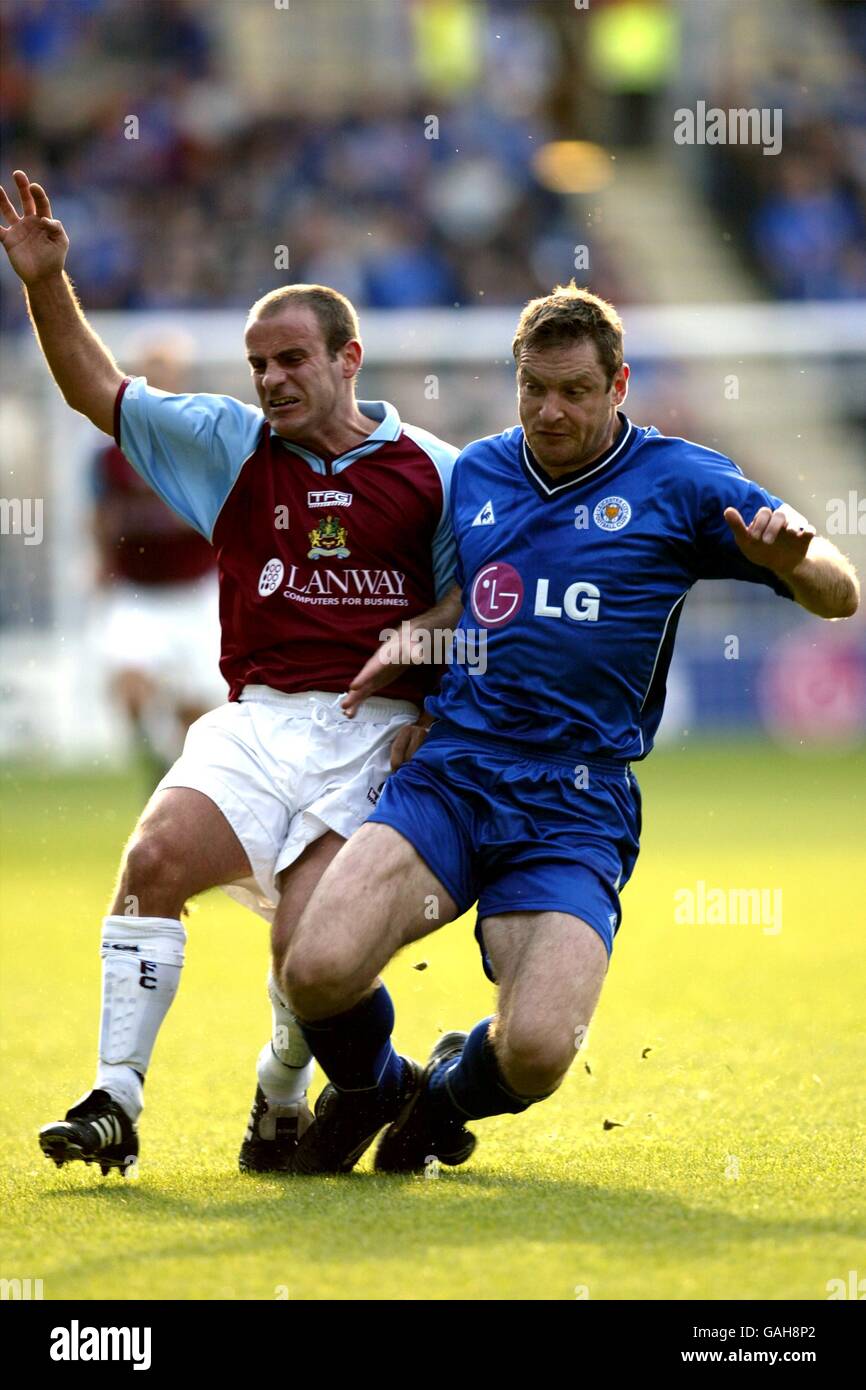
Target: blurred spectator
805	232
801	214
633	53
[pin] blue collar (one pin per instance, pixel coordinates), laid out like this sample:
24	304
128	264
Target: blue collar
544	483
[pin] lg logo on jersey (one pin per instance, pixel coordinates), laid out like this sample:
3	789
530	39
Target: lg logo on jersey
496	596
579	602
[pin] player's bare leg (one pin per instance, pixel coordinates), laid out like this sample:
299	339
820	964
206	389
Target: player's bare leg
280	1113
550	967
181	846
377	896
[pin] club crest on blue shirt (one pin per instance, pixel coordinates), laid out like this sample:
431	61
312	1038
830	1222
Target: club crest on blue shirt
612	513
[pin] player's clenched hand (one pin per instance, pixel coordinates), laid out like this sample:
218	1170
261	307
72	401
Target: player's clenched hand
407	743
777	540
35	242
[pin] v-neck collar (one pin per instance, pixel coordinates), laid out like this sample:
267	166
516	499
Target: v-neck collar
545	486
388	429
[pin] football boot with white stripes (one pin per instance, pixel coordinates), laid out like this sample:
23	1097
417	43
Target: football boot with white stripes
273	1131
95	1130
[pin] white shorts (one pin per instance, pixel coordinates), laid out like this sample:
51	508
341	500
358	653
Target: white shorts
284	769
170	632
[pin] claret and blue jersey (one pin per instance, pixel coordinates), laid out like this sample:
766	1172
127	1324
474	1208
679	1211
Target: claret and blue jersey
316	556
578	584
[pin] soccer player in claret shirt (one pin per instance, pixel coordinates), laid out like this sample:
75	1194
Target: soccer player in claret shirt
579	536
329	519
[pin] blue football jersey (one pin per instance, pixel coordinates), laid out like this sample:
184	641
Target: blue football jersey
576	586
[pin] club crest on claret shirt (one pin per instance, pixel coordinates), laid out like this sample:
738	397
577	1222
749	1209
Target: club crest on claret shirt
328	539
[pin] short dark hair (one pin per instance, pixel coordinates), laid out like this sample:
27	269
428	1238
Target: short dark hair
569	314
335	313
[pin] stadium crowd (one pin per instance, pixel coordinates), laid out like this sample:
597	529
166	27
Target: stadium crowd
189	207
360	198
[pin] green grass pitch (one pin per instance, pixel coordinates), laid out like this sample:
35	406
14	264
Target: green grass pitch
730	1060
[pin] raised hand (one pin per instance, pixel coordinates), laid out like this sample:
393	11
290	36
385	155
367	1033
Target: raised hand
777	540
35	242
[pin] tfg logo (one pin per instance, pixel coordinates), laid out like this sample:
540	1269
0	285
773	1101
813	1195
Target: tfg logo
329	497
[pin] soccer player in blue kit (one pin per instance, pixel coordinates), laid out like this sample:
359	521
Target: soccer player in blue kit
579	536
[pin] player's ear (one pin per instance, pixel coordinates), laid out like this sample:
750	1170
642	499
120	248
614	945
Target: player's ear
619	385
352	356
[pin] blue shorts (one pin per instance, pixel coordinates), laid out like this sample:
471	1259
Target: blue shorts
518	830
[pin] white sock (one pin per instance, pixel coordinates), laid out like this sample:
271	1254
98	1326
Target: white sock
285	1066
142	958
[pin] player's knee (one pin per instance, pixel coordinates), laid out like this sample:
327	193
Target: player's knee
154	868
533	1060
315	978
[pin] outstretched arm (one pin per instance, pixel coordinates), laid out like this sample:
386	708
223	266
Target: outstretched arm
396	652
36	245
819	576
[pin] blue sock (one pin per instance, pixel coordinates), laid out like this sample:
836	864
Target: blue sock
474	1087
354	1049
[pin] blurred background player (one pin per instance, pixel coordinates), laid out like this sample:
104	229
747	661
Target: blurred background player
157	618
